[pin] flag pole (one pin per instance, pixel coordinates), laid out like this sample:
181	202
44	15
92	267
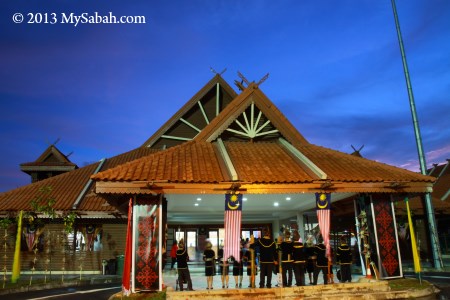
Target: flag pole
15	274
416	257
423	166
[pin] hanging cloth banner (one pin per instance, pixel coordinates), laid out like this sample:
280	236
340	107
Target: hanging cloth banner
31	234
232	222
387	259
323	206
128	253
147	245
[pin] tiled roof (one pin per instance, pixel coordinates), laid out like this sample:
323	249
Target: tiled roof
346	167
190	162
67	187
258	162
266	162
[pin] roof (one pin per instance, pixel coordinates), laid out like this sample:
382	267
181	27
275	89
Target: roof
74	190
68	187
192	117
252	142
441	192
265	163
252	94
441	189
51	157
249	141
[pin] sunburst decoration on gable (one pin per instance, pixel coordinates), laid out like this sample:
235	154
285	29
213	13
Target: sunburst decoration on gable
252	124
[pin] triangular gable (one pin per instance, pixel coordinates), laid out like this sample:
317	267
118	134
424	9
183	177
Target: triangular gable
251	116
70	187
51	155
196	114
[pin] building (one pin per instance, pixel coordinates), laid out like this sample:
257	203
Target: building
219	142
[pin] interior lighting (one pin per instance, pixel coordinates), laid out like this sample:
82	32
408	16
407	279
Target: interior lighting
199	199
244	199
196	204
275	204
288	198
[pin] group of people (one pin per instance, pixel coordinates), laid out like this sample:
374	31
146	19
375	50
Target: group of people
288	257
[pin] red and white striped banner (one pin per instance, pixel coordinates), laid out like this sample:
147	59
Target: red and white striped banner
233	219
323	205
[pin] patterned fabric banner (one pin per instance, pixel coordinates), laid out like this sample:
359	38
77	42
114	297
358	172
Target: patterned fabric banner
147	246
385	228
233	219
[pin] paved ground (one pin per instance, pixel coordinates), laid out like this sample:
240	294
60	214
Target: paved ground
199	279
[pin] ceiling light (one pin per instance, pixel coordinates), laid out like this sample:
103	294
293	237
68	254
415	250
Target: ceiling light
244	199
196	204
288	198
199	199
275	204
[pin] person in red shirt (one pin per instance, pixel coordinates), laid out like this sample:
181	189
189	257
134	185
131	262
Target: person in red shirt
173	254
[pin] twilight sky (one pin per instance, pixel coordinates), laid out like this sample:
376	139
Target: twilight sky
335	72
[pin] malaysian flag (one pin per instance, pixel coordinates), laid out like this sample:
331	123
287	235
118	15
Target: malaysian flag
232	241
323	205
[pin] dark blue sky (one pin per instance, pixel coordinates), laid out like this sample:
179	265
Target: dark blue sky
335	72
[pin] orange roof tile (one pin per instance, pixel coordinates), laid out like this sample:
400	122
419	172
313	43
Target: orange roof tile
346	167
67	187
266	162
258	162
190	162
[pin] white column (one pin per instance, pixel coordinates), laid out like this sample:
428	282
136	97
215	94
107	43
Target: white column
301	226
275	229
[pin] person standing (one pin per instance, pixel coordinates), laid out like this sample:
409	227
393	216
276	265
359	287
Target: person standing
250	260
299	257
267	259
311	258
238	268
225	270
286	248
219	258
321	262
182	266
344	259
208	257
173	254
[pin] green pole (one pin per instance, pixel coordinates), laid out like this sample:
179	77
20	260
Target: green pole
423	166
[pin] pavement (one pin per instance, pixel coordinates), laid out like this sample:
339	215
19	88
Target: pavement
199	279
360	287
